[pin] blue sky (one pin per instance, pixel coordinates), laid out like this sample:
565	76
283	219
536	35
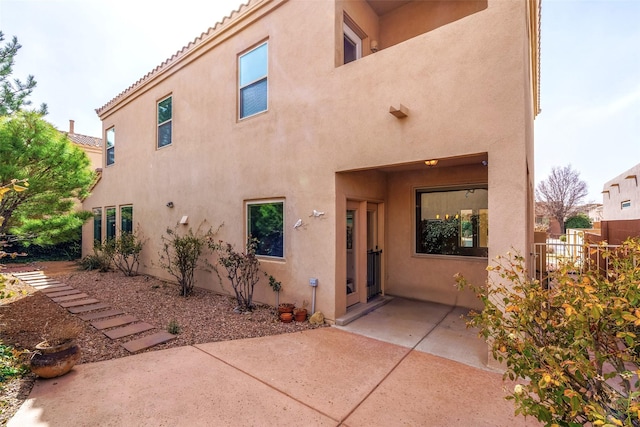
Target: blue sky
85	52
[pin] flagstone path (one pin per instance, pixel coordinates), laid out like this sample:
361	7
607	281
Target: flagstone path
113	323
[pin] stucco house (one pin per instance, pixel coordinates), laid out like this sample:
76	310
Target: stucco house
378	147
621	207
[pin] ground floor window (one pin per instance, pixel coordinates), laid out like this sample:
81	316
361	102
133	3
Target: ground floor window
265	222
452	221
97	224
126	219
110	213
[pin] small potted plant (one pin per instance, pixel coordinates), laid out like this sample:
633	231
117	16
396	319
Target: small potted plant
300	313
275	286
58	353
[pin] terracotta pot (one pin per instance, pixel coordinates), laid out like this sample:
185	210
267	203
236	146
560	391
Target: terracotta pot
53	361
300	314
286	308
286	317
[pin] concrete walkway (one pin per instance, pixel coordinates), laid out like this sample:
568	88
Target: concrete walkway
322	377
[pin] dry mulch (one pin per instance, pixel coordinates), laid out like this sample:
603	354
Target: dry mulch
29	317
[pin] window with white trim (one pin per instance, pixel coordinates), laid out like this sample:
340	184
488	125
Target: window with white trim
111	145
265	223
165	119
252	80
352	44
625	205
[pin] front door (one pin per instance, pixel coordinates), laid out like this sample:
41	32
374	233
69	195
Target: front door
363	252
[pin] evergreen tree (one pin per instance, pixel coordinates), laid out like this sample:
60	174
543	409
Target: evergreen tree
13	95
58	174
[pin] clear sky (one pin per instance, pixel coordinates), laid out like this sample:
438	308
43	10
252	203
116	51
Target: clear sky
83	53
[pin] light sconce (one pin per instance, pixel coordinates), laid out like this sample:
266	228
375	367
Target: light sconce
374	46
484	163
471	191
169	204
431	162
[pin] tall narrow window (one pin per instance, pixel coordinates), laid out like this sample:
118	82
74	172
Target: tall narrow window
111	146
126	219
352	44
111	222
165	116
252	68
265	222
97	225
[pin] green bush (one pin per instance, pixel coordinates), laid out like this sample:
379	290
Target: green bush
11	363
572	346
181	255
578	221
126	252
243	271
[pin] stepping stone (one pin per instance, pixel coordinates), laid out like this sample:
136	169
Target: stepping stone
29	274
40	281
112	323
56	289
68	297
100	314
62	293
79	302
134	328
85	308
148	341
48	285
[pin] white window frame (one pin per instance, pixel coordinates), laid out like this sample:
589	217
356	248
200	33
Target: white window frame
250	203
247	84
355	38
112	131
170	122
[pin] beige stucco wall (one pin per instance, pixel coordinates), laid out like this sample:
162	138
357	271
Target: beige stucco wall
465	85
623	188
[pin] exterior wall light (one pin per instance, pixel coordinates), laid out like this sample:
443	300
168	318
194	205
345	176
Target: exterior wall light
169	204
431	162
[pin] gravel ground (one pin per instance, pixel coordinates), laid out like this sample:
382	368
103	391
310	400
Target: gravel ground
30	317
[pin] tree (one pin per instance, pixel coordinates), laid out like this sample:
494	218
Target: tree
58	173
578	221
561	193
13	95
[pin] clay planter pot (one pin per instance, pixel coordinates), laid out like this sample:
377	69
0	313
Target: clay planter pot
286	317
286	308
300	314
54	361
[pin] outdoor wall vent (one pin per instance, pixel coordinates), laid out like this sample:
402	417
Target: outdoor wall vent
184	220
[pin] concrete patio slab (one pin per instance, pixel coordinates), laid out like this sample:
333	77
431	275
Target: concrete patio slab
177	387
330	370
453	340
401	321
429	390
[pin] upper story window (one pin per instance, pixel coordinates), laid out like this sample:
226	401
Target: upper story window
165	116
111	145
625	205
252	78
352	44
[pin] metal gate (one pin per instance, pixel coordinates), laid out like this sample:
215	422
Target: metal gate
373	273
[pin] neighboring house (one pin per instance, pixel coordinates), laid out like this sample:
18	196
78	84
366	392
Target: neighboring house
395	135
621	207
92	146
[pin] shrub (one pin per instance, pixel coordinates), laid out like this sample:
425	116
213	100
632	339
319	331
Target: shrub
578	221
573	345
180	255
101	258
126	252
11	363
243	270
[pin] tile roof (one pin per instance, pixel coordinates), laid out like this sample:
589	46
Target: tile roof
89	141
204	37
